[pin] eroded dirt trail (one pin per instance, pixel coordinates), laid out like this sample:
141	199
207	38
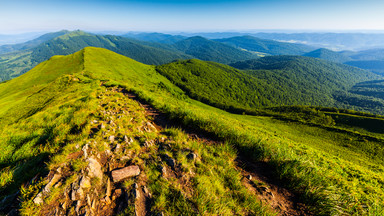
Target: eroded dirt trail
257	177
259	180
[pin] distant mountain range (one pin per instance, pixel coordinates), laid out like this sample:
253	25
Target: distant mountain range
156	49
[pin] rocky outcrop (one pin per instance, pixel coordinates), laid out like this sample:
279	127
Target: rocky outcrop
124	173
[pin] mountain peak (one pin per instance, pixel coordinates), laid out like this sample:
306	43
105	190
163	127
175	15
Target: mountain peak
75	33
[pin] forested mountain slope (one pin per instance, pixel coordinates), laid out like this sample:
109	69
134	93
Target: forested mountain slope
269	47
271	81
210	50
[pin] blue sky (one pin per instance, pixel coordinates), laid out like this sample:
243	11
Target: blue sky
171	15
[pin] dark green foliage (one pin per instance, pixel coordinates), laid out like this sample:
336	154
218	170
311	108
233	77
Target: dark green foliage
217	84
156	37
209	50
371	54
376	66
328	55
266	46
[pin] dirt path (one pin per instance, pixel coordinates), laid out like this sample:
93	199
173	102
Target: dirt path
258	177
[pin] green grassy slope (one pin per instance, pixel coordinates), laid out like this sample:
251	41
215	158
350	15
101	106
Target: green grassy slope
335	172
270	47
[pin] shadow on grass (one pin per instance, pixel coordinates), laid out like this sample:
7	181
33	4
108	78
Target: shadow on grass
24	170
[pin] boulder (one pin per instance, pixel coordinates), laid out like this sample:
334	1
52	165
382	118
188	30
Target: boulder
126	172
38	199
94	168
53	181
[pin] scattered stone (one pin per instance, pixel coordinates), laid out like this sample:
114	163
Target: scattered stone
163	170
145	189
136	193
53	181
38	199
59	170
78	206
108	200
58	184
111	139
101	126
118	148
116	194
85	150
120	174
149	143
109	188
89	201
94	122
85	182
249	177
135	185
94	168
127	139
192	156
151	127
124	158
64	205
74	155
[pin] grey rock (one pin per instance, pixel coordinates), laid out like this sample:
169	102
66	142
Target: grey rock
118	148
94	168
249	177
111	139
85	150
85	182
128	140
136	193
53	181
126	172
38	199
145	189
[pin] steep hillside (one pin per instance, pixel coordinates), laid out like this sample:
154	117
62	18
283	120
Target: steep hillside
15	64
274	81
328	55
92	133
269	47
209	50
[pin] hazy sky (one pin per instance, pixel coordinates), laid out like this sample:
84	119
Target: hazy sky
199	15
